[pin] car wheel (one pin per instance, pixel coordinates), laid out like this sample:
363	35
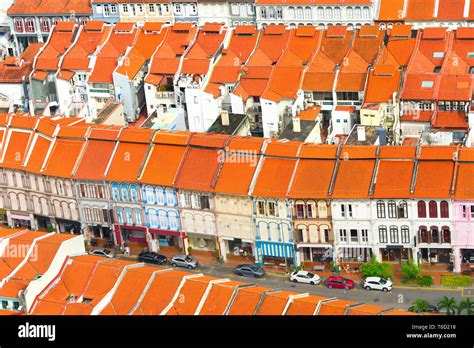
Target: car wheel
173	264
330	286
190	267
294	281
239	274
367	288
346	288
312	283
384	289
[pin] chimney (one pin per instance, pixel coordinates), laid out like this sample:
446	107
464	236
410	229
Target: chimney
361	133
225	117
296	125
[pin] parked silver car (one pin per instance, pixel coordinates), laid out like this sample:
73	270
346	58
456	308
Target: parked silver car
185	261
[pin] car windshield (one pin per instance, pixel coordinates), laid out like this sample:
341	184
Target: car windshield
383	281
253	268
310	275
188	259
344	280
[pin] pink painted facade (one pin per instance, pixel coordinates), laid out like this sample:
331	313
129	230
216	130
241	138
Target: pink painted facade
464	227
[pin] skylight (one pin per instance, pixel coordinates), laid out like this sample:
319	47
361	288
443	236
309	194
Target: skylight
427	84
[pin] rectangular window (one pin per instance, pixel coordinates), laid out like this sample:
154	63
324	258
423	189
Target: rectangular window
18	25
365	235
349	210
105	215
196	202
271	209
261	208
205	202
354	236
343	210
427	84
472	211
343	235
30	25
383	234
187	199
300	211
405	235
113	8
45	26
394	234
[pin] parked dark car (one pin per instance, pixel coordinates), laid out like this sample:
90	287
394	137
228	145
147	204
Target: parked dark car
338	282
430	309
151	257
249	271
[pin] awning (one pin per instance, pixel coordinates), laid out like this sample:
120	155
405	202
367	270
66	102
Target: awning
166	232
394	247
275	249
314	246
20	217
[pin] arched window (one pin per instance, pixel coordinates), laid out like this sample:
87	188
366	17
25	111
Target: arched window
350	12
134	192
358	13
402	210
446	234
307	12
328	12
380	209
279	12
394	235
163	219
337	12
366	12
124	192
263	12
120	215
320	13
383	234
405	234
271	13
138	217
444	209
392	209
421	209
173	220
115	192
434	234
299	12
160	196
433	208
153	218
291	12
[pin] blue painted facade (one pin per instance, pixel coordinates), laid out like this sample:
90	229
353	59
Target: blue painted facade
274	228
160	205
106	11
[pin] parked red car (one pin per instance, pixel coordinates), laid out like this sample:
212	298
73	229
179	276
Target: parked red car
340	283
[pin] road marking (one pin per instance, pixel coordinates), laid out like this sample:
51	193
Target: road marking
424	289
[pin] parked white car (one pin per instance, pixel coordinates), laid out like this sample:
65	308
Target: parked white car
102	252
377	283
305	277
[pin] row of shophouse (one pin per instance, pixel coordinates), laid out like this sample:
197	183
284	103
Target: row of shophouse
281	201
32	21
415	86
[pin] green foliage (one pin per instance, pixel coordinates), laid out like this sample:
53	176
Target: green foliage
425	280
410	271
466	305
449	304
190	249
373	268
453	280
420	305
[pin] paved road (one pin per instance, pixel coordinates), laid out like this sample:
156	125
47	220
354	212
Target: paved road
399	297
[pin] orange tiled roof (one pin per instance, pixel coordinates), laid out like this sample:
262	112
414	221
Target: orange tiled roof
391	10
420	10
246	300
63	7
274	177
274	303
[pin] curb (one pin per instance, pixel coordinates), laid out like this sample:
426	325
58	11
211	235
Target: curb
425	288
